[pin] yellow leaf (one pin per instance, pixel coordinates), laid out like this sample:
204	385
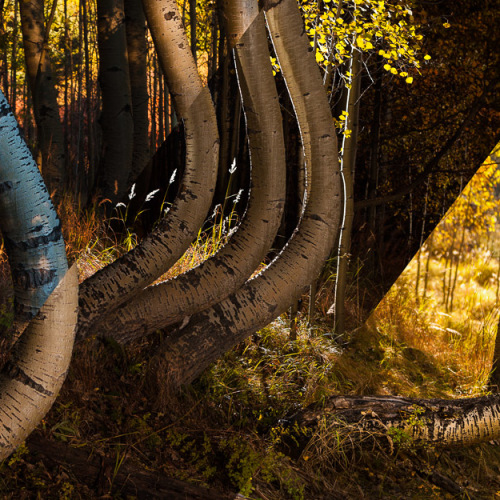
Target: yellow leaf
427	57
447	25
387	67
409	79
319	57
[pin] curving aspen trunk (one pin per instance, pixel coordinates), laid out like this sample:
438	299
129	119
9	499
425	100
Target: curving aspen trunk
212	332
30	227
114	284
45	106
116	117
44	290
221	275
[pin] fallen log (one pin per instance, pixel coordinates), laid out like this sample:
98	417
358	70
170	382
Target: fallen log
439	422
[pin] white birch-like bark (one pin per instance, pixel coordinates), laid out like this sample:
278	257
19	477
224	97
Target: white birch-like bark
31	380
437	421
43	290
347	167
212	332
30	227
118	282
221	275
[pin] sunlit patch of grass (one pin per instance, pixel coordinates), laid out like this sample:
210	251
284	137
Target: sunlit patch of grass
207	243
94	244
455	327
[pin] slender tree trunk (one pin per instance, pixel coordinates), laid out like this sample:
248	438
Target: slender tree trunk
119	281
347	167
4	69
458	259
421	244
91	143
45	106
154	134
427	265
448	262
218	277
494	380
137	50
116	118
13	74
160	109
67	61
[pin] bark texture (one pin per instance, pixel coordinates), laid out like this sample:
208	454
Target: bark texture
347	168
211	333
137	50
116	117
31	379
221	275
119	281
437	421
45	106
29	223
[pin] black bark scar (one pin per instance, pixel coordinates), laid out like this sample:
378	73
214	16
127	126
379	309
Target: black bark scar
15	373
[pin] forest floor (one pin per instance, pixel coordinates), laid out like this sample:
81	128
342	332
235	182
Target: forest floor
116	426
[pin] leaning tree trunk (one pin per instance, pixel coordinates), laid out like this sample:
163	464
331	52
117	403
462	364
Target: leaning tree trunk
212	332
43	290
45	106
221	275
116	283
116	117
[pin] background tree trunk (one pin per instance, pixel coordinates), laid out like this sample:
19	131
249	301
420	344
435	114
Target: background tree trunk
137	50
116	117
45	106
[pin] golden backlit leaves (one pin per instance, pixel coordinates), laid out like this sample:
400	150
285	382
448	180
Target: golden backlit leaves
388	27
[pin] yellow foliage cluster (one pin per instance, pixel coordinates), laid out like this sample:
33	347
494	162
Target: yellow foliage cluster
477	207
335	26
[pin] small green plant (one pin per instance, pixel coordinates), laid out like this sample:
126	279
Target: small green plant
18	455
400	437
